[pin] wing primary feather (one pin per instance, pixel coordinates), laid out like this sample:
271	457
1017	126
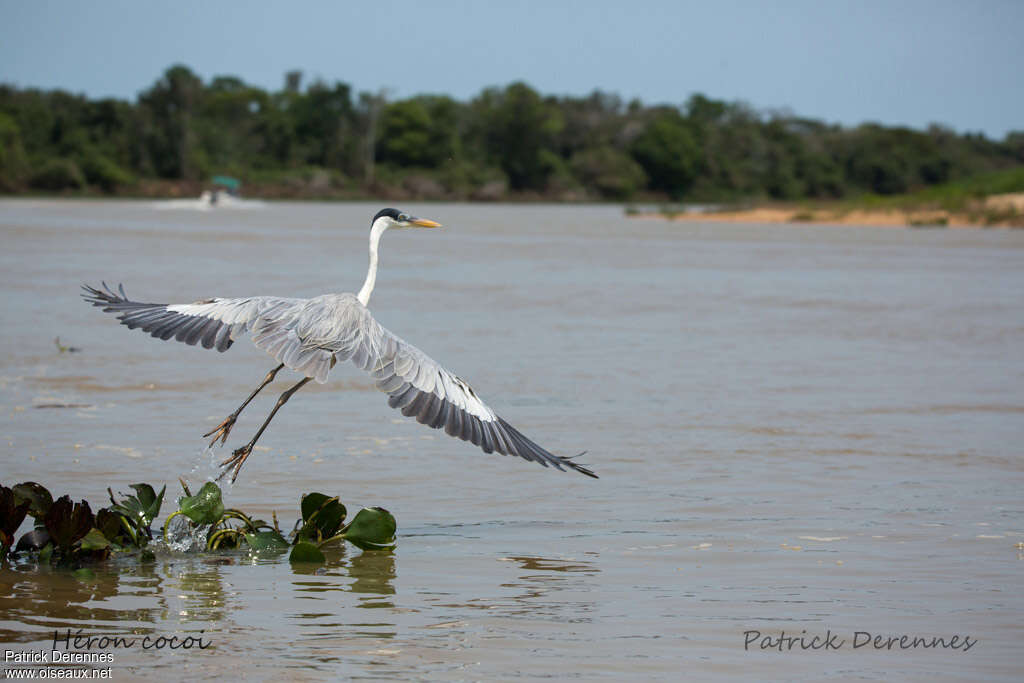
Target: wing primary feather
413	407
453	427
196	333
210	332
441	418
486	438
544	455
430	409
475	435
466	433
186	327
500	440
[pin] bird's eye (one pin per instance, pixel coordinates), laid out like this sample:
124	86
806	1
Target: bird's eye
403	217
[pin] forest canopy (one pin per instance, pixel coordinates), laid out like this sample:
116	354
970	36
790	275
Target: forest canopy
512	142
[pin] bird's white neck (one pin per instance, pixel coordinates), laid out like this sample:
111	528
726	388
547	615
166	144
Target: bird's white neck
371	275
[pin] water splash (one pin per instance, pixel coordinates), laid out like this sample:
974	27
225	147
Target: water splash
183	537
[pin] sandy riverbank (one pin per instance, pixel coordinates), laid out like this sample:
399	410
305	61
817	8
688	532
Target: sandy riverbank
996	211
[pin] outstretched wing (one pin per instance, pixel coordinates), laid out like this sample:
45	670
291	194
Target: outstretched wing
418	386
307	335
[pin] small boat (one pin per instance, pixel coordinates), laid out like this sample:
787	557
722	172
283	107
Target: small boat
224	195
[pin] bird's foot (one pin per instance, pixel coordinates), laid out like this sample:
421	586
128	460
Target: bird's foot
235	462
222	430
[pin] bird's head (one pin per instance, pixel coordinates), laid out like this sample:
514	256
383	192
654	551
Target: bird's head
393	218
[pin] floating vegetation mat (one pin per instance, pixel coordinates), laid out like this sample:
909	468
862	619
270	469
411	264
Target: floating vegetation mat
70	535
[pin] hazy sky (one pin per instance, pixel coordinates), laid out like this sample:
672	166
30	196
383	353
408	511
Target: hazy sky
899	62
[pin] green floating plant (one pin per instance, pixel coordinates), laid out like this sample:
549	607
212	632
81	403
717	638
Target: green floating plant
70	534
144	506
68	523
322	518
371	529
206	507
322	523
304	551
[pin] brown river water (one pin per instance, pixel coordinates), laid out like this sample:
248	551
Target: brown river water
800	431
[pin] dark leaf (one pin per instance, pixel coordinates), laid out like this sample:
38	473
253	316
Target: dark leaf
12	514
39	498
68	523
322	517
108	521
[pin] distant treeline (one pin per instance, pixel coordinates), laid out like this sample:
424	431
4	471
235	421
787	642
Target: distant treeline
511	142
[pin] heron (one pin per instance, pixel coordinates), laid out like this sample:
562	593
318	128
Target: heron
310	336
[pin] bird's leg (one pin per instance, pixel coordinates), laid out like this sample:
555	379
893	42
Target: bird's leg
222	430
239	456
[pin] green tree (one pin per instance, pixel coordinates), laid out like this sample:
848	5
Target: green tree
324	123
613	174
668	152
518	129
13	162
168	108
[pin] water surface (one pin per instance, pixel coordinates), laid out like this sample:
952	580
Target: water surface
797	428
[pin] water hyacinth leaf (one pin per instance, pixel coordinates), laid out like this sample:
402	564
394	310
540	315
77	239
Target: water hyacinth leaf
38	496
306	552
95	540
327	511
311	502
206	507
266	541
322	517
142	508
149	501
109	523
68	523
372	529
12	514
